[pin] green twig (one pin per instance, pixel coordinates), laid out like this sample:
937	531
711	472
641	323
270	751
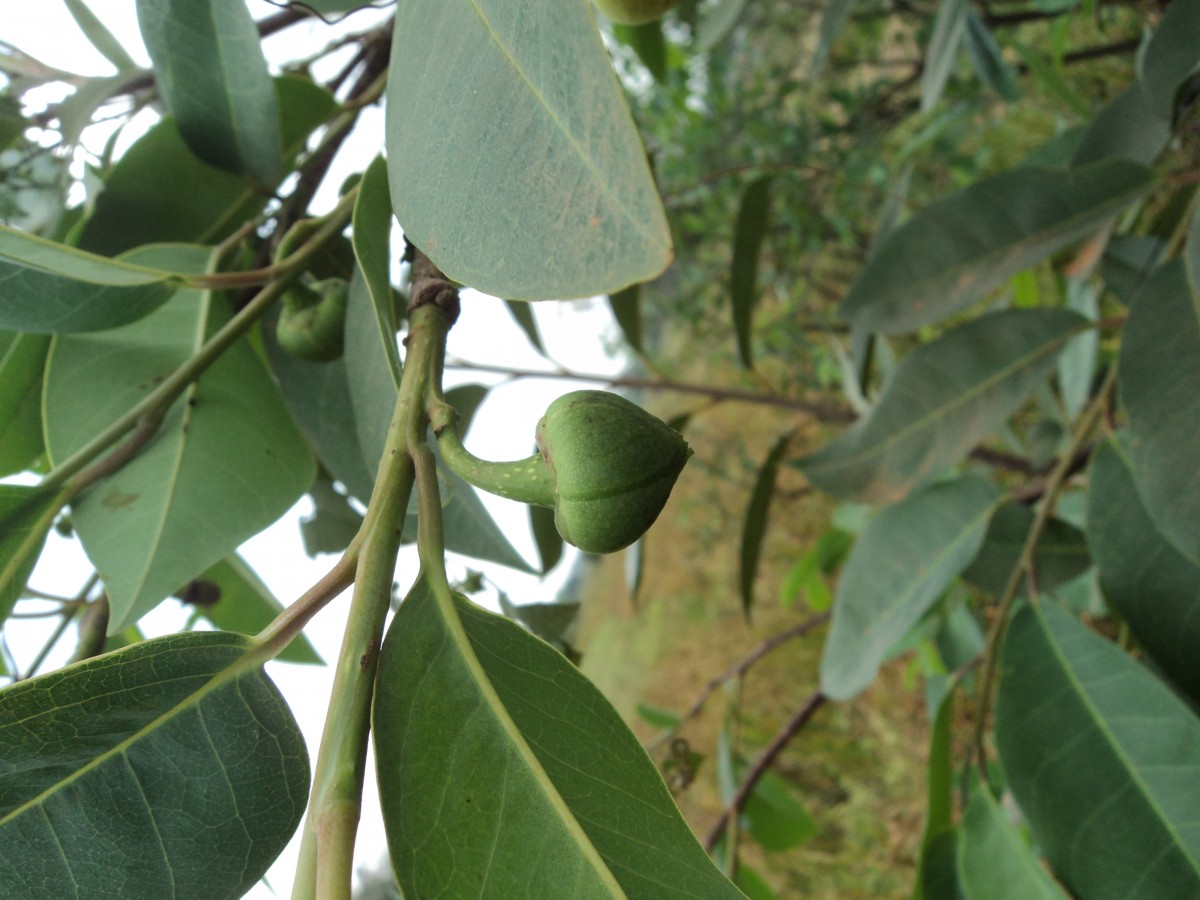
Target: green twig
1024	566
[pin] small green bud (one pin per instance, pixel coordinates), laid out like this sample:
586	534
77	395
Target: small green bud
313	320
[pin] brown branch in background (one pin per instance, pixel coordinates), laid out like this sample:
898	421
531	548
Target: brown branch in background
742	666
820	411
782	738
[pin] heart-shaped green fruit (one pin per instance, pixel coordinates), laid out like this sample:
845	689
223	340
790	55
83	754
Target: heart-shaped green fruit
605	465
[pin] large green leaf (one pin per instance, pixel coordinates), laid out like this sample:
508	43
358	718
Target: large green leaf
49	287
1103	759
1160	387
903	560
945	397
1170	56
994	861
1061	554
1125	127
26	515
211	71
143	203
171	768
957	249
504	773
226	462
231	596
533	184
22	361
748	234
1154	586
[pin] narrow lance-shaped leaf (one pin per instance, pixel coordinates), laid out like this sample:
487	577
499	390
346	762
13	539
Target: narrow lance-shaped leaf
211	71
939	807
904	559
955	250
1077	363
1103	759
226	462
534	185
944	398
748	234
503	772
1160	387
47	287
832	19
987	58
949	26
1148	579
994	861
99	36
522	314
626	308
171	763
372	248
755	524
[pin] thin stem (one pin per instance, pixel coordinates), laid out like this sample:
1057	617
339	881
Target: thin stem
1024	566
155	404
326	855
785	734
68	615
739	669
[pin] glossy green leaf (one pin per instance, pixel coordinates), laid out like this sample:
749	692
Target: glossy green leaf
522	314
987	58
22	360
49	287
626	308
372	249
748	235
226	461
503	772
172	765
333	523
534	185
98	35
939	791
142	202
1159	375
833	18
1170	56
994	861
237	601
774	819
906	556
549	542
1103	759
945	397
1061	555
1125	127
1077	362
26	515
755	523
211	72
1152	584
960	247
646	40
752	884
949	26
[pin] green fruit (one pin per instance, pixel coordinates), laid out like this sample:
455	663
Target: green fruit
313	320
605	465
634	12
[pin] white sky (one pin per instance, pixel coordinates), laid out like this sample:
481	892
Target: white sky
575	333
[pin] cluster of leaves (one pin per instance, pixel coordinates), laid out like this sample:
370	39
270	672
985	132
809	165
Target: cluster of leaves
163	425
